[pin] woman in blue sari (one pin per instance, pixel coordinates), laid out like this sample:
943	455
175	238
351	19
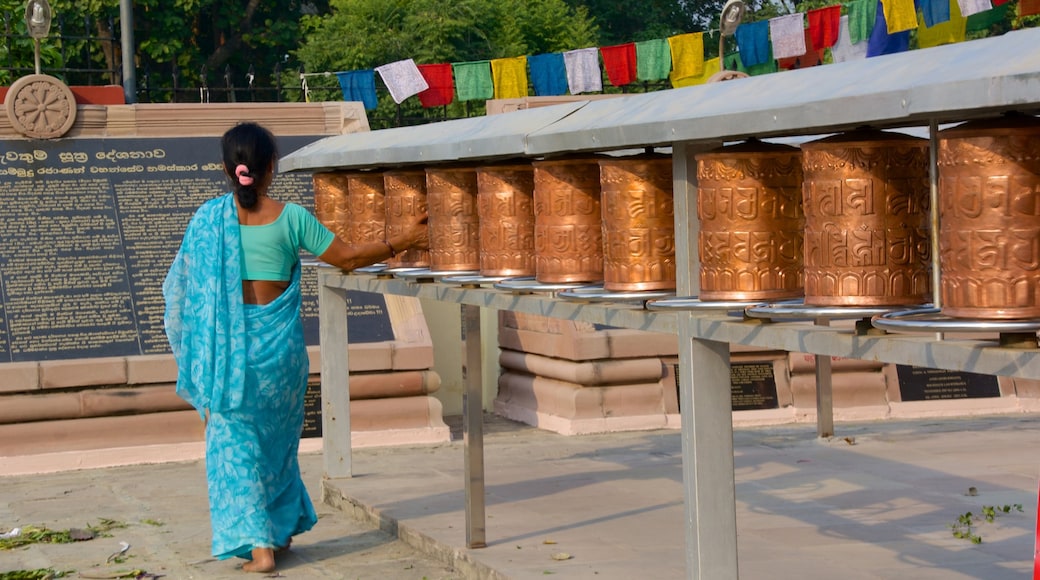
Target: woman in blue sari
233	320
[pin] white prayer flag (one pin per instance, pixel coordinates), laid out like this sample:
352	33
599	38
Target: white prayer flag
788	35
403	79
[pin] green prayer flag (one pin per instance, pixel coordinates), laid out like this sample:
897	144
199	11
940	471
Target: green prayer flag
653	60
473	80
984	20
733	62
862	14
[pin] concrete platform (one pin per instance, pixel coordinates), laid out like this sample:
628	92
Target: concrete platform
876	502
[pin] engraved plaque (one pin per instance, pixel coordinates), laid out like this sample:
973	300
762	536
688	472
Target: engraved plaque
989	204
568	233
926	384
749	204
865	198
454	222
638	223
505	205
405	197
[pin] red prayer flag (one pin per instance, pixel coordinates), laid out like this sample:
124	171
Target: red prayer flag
620	63
812	56
442	87
823	26
1028	7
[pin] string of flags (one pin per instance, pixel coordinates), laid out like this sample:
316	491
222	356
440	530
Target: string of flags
868	28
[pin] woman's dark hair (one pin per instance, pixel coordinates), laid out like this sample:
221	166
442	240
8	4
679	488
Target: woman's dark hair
249	152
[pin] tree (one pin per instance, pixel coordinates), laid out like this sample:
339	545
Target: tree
364	34
184	37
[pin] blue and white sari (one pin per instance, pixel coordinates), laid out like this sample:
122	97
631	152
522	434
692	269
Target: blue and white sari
246	366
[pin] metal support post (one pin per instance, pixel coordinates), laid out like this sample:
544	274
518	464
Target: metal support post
335	379
709	495
824	390
473	427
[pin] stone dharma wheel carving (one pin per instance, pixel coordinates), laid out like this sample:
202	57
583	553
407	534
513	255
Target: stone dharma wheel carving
40	106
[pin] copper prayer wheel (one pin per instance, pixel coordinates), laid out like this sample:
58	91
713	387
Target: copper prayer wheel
454	221
405	198
865	198
989	208
749	205
330	200
638	223
365	208
505	206
568	229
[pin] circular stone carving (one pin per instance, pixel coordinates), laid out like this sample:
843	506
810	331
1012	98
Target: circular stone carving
40	106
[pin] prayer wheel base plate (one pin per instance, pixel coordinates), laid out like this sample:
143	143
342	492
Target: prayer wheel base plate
1010	333
527	285
801	311
600	295
694	303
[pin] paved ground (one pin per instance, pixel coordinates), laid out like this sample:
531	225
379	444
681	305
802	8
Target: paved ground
877	502
165	511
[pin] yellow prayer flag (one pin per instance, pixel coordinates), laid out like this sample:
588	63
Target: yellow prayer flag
900	15
688	54
509	76
947	32
710	68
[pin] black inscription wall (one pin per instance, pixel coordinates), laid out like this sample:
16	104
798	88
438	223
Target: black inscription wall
925	384
89	230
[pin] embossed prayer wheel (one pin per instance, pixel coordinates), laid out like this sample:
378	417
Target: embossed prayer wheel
865	198
405	198
568	229
454	222
365	208
989	208
749	205
330	200
505	205
638	223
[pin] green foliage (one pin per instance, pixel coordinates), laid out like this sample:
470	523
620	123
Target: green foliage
36	574
965	526
44	535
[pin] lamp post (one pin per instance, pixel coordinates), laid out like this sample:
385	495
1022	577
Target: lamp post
729	20
38	21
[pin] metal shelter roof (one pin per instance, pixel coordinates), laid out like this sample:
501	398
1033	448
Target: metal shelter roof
947	83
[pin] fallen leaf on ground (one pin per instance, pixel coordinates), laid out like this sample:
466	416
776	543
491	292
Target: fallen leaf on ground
561	556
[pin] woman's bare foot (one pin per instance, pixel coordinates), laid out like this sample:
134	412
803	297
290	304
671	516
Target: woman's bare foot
263	561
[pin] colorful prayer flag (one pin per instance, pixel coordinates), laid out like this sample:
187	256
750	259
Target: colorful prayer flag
620	63
473	80
402	78
509	76
710	67
787	34
900	15
653	60
687	54
823	26
442	87
548	74
583	72
753	43
359	85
